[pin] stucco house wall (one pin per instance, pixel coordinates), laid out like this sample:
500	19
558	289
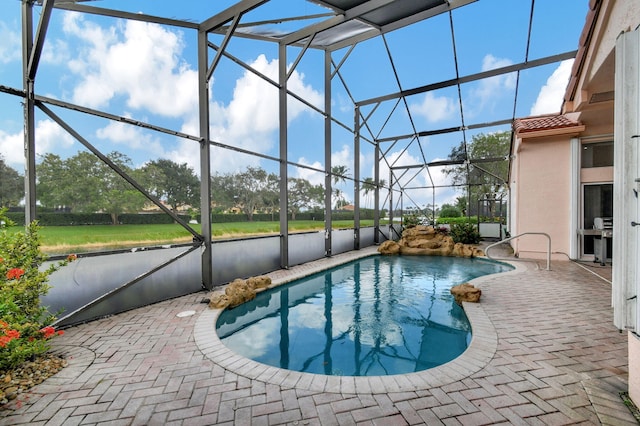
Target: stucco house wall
543	183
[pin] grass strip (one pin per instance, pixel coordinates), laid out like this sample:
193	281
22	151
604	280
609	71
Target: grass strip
87	238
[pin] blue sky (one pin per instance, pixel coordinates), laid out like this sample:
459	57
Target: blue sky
148	72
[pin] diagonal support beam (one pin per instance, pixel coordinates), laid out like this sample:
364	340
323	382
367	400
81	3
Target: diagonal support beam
38	44
223	46
115	168
229	14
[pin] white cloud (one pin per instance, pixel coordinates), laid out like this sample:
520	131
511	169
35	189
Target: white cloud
142	64
315	178
10	48
56	52
11	147
250	119
137	60
485	94
343	157
130	136
434	108
255	102
49	137
551	94
490	62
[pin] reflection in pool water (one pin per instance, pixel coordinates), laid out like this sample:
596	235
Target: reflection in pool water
376	316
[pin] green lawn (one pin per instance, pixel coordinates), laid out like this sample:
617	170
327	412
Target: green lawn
78	239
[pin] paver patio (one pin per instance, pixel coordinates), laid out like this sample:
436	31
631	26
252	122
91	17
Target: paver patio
544	352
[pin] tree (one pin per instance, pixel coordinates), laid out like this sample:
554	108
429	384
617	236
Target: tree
304	195
222	192
447	210
115	194
72	183
461	204
176	184
85	184
488	168
246	190
249	190
340	174
271	194
12	187
368	186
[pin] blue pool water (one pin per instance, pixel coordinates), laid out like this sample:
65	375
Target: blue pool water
376	316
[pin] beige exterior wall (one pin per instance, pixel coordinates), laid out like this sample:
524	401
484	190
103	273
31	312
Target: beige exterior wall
542	175
634	367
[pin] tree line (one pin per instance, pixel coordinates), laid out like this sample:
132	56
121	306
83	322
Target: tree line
85	184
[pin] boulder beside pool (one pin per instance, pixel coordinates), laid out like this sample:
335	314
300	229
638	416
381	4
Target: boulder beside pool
238	292
389	247
428	241
466	293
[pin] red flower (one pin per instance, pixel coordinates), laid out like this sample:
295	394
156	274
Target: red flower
15	273
9	336
14	334
48	331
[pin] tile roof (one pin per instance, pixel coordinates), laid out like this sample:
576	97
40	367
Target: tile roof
548	122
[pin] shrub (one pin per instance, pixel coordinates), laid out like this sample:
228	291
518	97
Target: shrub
25	325
465	233
411	220
450	212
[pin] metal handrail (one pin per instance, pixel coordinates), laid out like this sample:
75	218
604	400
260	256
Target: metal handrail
486	251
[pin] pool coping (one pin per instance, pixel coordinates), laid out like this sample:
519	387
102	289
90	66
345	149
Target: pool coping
482	348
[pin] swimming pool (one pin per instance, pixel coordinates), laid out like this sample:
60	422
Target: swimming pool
381	315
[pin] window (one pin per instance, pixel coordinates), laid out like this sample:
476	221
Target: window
597	154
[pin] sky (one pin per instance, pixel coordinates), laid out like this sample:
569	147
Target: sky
148	72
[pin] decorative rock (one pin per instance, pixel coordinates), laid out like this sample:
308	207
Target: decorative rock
256	283
11	393
466	293
28	374
427	241
389	247
238	292
218	301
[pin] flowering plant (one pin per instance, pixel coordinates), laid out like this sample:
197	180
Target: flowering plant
25	325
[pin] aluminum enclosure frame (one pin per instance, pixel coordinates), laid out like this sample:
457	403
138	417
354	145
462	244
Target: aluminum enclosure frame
345	26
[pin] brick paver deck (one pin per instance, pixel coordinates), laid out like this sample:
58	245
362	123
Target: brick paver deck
544	352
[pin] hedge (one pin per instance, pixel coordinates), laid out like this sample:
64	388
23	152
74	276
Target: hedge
452	220
67	219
